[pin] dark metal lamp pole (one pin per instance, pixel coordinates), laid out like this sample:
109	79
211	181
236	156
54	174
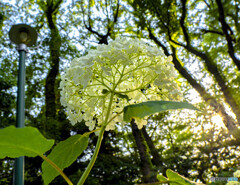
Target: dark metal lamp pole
22	35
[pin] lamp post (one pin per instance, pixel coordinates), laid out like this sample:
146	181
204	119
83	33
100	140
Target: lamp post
22	35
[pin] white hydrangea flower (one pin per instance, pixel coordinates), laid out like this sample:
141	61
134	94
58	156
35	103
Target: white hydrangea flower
130	69
140	122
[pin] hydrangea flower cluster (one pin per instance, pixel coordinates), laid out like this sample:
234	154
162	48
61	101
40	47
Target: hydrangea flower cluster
130	70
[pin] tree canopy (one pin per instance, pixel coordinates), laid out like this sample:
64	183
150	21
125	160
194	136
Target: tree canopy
202	36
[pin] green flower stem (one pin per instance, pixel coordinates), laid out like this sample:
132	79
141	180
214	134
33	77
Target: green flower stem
98	145
57	168
115	116
94	157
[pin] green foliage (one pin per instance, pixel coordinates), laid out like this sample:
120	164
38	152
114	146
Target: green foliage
7	103
161	178
110	169
63	155
28	141
141	110
215	152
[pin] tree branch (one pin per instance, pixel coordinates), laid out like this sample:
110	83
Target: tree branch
229	37
212	31
103	38
115	18
89	26
56	6
219	108
211	67
117	12
208	5
152	37
183	16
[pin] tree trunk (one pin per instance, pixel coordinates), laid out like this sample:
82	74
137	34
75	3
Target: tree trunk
54	45
219	108
156	160
145	164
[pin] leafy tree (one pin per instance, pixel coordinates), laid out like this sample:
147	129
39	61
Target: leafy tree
197	33
203	38
180	31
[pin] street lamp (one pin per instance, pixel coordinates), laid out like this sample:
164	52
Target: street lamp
22	35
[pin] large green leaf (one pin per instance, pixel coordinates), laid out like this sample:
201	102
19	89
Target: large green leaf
63	155
177	179
141	110
162	178
28	141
